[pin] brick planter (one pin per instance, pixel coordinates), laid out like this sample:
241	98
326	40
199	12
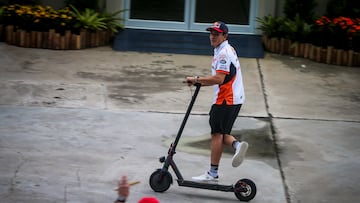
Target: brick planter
327	55
53	40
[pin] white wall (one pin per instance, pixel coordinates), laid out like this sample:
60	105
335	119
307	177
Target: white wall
113	5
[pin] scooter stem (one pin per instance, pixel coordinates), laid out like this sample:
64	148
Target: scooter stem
197	85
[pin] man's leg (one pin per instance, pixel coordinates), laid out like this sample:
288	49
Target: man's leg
239	147
216	145
228	140
217	141
216	148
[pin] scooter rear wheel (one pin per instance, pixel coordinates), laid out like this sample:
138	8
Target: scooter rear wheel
160	180
245	190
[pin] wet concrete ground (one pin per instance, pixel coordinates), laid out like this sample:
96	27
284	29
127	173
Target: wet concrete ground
72	122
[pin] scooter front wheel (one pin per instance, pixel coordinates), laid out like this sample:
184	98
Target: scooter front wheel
160	180
245	190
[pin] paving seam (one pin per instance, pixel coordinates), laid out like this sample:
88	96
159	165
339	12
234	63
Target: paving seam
317	119
273	133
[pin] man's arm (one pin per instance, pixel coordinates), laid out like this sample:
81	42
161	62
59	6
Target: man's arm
217	79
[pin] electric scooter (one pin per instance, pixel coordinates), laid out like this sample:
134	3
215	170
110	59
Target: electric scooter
161	179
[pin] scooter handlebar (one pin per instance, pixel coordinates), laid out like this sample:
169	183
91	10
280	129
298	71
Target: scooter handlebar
189	83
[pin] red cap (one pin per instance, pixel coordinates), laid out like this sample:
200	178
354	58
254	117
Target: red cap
219	27
148	200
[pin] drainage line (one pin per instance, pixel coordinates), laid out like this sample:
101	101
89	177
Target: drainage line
273	133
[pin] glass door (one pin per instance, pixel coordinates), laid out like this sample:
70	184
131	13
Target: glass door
162	10
190	15
239	15
157	14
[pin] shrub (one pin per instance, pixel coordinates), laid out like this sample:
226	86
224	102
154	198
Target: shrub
40	18
341	32
270	26
349	8
301	8
111	20
88	19
296	29
92	20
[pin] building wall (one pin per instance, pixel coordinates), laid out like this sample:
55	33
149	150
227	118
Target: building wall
113	5
268	7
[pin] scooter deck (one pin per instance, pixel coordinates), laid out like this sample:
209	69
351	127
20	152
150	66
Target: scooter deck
208	186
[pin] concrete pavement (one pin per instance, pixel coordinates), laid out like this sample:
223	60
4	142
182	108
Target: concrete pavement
72	122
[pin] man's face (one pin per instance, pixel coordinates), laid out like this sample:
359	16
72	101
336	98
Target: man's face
216	38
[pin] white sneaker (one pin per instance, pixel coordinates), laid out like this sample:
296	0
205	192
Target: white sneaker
239	154
205	177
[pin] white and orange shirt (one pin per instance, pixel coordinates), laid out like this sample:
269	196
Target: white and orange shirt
226	61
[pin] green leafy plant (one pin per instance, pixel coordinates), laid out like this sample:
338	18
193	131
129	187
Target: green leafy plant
111	20
270	26
89	19
296	30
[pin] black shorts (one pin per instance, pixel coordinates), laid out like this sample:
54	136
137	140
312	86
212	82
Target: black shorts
222	118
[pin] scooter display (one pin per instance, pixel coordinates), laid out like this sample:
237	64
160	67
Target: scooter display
161	179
